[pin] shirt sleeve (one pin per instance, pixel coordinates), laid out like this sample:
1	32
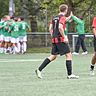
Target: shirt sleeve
94	22
78	20
62	20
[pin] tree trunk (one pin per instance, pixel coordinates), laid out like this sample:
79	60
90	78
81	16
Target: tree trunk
33	23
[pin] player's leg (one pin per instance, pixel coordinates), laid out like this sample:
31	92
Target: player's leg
9	45
93	61
6	44
14	47
17	46
69	63
1	43
24	44
47	61
83	45
69	67
65	50
77	46
24	47
44	64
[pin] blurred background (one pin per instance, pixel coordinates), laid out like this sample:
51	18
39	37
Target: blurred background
38	14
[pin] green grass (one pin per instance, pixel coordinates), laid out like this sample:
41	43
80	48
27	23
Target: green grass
47	50
39	50
17	78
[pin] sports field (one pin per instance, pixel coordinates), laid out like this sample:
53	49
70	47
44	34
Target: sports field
17	76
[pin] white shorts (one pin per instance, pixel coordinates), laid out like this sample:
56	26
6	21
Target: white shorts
1	37
14	40
23	38
7	39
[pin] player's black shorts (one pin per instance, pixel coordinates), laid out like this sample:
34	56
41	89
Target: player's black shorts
60	48
94	43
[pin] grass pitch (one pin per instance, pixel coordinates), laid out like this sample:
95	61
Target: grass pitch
17	76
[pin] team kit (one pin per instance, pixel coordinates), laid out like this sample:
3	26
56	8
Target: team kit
13	36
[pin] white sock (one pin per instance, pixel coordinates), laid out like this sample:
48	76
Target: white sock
18	47
24	46
92	64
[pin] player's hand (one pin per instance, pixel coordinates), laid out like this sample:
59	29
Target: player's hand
66	39
71	13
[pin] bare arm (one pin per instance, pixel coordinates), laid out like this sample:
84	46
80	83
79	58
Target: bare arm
69	17
51	29
94	31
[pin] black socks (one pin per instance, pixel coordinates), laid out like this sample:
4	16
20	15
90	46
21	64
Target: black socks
44	64
69	67
92	67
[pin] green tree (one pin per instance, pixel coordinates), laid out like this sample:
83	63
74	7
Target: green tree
41	11
4	7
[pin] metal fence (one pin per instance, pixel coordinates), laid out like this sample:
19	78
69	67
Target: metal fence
39	39
43	39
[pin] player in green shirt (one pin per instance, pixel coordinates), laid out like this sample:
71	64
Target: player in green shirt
14	35
81	35
6	33
1	34
24	27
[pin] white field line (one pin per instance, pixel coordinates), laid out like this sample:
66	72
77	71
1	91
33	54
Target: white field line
20	60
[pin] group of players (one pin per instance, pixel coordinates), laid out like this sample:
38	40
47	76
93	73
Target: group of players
13	36
60	42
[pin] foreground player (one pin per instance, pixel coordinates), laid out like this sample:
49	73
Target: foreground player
93	61
59	43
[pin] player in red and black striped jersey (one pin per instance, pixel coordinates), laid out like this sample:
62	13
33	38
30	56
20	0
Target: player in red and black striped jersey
93	61
59	42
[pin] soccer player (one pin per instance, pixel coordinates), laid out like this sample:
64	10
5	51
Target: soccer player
93	61
23	34
1	34
7	35
59	42
14	28
81	35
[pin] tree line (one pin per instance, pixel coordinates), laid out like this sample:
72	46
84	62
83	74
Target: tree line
39	12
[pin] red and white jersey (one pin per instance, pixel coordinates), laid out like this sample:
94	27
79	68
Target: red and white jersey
94	22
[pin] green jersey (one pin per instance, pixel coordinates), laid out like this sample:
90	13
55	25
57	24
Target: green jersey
80	25
1	27
23	28
6	29
15	28
66	29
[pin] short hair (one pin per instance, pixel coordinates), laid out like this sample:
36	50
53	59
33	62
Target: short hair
15	19
63	7
12	17
22	18
7	16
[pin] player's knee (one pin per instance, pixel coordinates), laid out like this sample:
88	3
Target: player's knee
52	57
94	59
69	56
